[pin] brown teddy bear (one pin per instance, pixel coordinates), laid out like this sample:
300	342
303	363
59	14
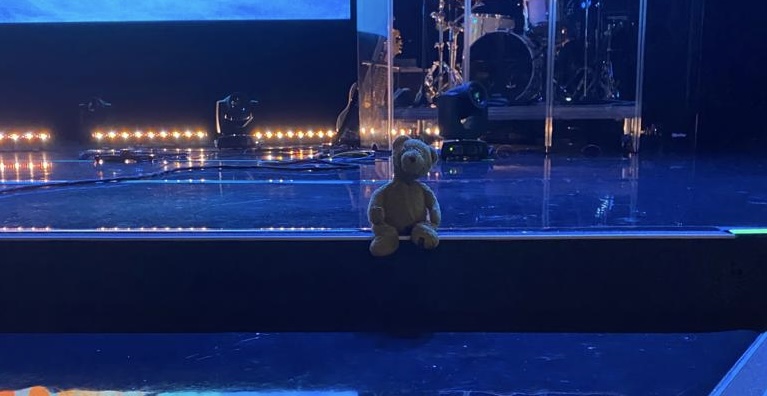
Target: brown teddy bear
405	206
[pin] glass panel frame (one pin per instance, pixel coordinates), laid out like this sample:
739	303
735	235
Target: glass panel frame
374	83
572	93
421	121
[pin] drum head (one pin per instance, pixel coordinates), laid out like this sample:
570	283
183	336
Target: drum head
504	63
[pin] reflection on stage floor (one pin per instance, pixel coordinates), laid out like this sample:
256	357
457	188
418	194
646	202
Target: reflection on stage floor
199	189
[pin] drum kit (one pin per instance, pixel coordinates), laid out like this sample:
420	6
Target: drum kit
508	51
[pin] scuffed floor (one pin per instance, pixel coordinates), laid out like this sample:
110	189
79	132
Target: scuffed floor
446	364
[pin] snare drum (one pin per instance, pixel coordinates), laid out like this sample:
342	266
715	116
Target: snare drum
482	24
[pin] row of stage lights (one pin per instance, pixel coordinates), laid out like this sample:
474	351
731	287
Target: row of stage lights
200	134
14	137
150	135
190	135
267	134
181	136
290	134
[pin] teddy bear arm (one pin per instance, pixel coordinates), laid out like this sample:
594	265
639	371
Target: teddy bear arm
376	213
432	205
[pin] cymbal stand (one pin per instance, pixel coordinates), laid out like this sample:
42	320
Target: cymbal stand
443	75
587	6
608	71
455	71
440	18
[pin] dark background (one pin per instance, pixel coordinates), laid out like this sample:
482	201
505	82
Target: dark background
705	70
172	73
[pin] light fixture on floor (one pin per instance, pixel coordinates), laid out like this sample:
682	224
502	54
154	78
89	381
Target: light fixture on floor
234	114
462	117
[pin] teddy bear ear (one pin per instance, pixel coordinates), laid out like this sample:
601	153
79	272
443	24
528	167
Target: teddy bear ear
399	142
434	155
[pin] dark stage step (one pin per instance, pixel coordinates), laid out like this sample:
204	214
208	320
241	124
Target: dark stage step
711	281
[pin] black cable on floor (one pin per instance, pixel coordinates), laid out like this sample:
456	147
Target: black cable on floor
298	166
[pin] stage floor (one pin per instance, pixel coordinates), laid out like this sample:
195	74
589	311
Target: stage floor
345	364
523	194
289	194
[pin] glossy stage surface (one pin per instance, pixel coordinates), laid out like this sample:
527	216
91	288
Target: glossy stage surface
304	283
372	364
201	190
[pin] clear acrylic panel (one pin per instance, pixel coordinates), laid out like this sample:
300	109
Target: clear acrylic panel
597	68
374	30
499	45
583	61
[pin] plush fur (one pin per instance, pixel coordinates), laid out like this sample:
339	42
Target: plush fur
405	206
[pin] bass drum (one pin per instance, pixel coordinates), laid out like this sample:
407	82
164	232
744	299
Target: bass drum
509	66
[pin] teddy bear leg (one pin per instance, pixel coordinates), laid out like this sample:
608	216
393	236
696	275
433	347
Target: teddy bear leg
425	236
385	241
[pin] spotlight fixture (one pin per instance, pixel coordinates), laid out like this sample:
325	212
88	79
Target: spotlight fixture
462	117
95	105
234	114
94	112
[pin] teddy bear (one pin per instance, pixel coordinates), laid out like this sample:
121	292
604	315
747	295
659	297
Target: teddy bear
405	206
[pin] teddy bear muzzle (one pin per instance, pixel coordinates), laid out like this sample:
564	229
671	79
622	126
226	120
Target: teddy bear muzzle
412	162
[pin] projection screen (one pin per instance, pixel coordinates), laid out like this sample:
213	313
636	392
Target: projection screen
73	11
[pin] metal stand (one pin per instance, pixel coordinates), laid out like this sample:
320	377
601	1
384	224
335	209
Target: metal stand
442	75
636	130
550	58
390	46
448	71
586	68
467	34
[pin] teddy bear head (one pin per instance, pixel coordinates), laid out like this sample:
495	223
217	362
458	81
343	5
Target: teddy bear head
412	158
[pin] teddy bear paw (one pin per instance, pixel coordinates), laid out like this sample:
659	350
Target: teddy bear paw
384	245
385	240
425	236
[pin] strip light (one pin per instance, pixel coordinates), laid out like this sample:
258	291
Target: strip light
13	137
150	136
298	135
749	231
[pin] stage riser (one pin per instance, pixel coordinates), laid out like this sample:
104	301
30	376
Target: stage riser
588	285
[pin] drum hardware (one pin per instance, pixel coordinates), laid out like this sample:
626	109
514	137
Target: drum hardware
608	71
506	79
577	84
586	4
595	79
442	75
508	59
